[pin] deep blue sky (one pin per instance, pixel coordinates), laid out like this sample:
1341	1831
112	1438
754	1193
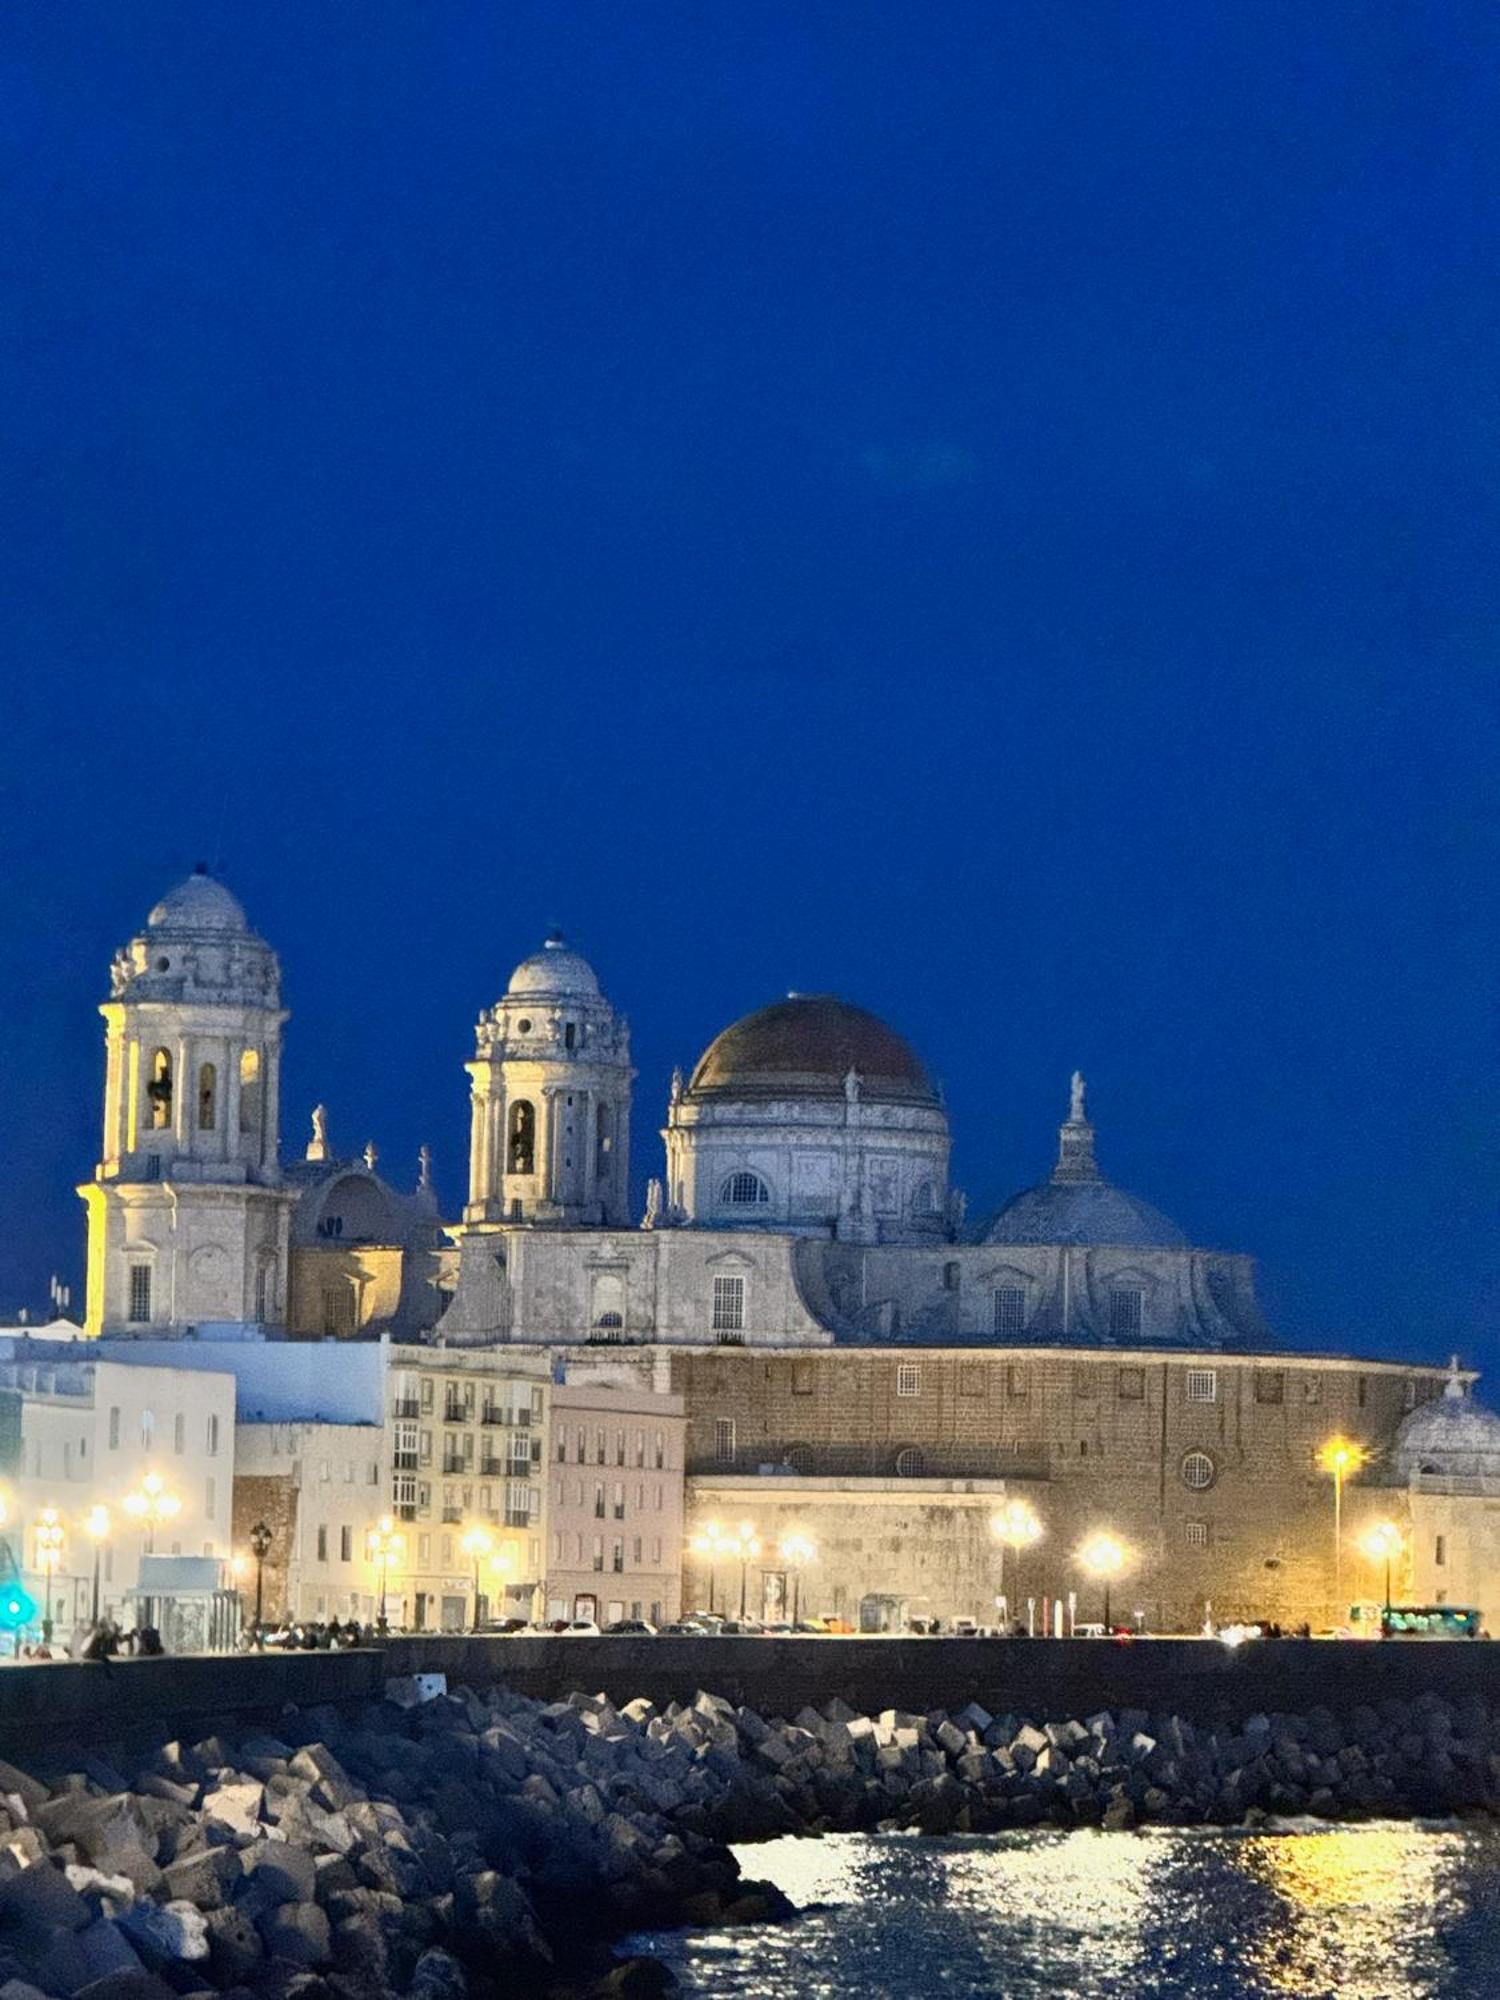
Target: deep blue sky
988	509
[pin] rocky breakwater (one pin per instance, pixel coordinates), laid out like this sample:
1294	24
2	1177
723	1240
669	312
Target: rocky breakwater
488	1845
440	1848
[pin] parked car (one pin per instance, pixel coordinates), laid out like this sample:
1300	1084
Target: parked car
504	1625
580	1628
689	1628
630	1628
741	1628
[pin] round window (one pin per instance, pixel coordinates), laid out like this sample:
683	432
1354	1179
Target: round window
164	965
1198	1471
523	1027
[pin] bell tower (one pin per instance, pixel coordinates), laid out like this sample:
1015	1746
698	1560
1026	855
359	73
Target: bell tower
551	1077
187	1217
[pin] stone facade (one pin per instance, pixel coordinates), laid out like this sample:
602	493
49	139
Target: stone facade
1205	1466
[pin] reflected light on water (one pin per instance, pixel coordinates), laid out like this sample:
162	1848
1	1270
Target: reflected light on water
1362	1910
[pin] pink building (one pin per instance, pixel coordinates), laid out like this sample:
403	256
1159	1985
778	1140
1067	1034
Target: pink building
614	1502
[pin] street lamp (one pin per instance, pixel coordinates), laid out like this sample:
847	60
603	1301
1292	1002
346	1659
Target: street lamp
708	1545
151	1503
96	1525
1017	1527
260	1547
796	1551
1381	1542
476	1543
384	1544
1340	1458
49	1541
1103	1556
743	1546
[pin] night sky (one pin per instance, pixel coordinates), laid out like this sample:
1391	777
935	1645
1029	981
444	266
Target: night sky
988	509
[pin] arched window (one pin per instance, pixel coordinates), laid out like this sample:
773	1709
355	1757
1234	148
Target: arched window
522	1151
923	1201
910	1463
744	1190
208	1097
603	1140
265	1290
250	1090
159	1091
608	1313
1198	1472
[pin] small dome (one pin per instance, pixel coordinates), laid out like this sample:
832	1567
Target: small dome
806	1046
556	971
1452	1435
1087	1213
198	904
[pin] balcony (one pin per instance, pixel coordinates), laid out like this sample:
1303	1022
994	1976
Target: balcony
518	1517
724	1338
455	1413
404	1461
405	1510
452	1516
492	1468
455	1468
405	1406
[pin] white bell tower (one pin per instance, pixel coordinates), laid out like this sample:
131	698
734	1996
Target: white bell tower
187	1217
550	1139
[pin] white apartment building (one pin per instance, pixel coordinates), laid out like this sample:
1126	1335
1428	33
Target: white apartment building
320	1489
81	1434
614	1500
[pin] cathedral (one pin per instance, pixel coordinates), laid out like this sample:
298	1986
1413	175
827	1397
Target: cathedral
858	1362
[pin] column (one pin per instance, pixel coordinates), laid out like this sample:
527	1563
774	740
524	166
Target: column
270	1106
231	1101
478	1147
183	1095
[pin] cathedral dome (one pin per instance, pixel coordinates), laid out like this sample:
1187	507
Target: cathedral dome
806	1046
198	904
1086	1213
1453	1435
1075	1205
556	971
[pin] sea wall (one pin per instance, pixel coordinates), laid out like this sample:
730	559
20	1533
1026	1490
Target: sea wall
1200	1680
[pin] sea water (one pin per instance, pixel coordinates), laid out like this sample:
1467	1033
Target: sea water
1390	1910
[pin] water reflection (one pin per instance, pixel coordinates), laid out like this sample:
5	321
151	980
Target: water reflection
1378	1912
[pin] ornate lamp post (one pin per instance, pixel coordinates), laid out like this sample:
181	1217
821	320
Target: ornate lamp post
1382	1543
708	1545
1016	1526
1340	1457
1104	1558
96	1525
49	1540
476	1543
384	1544
797	1551
151	1503
260	1547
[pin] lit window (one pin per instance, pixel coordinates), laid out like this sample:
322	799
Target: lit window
729	1305
724	1440
744	1191
910	1463
1202	1385
1010	1309
140	1294
908	1379
1198	1472
250	1090
1125	1304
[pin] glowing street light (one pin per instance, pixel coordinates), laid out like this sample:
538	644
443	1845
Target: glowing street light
48	1534
476	1543
1340	1458
1382	1542
743	1546
1104	1557
709	1544
1016	1527
96	1525
384	1545
151	1503
797	1551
